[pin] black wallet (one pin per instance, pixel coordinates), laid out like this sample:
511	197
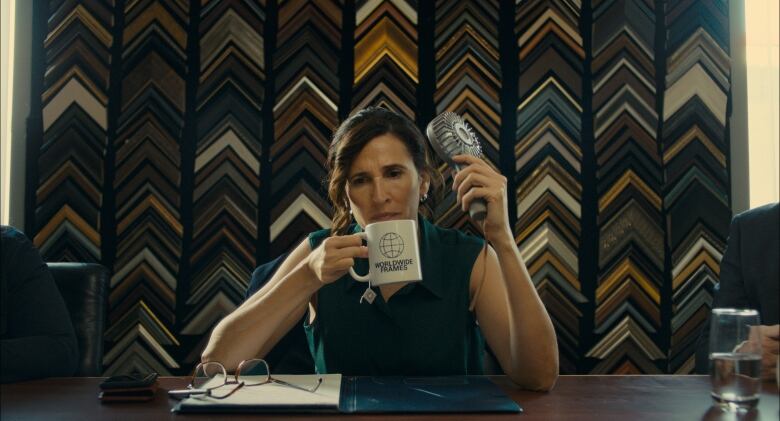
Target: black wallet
127	388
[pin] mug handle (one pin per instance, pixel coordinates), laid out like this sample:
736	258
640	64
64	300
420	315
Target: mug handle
352	270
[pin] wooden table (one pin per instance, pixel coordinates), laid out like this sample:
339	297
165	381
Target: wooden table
573	398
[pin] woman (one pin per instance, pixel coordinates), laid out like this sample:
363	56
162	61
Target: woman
379	170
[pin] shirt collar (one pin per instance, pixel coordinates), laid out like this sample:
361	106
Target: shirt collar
430	281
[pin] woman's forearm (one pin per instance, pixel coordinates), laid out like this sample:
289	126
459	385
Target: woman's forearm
532	342
264	317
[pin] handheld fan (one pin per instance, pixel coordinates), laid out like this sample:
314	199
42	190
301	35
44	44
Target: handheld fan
450	135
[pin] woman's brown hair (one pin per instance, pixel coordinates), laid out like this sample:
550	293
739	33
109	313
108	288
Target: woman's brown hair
350	138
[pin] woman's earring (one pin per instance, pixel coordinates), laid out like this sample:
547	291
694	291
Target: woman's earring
350	211
424	198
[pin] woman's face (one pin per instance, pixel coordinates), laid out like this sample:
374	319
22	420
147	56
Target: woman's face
383	184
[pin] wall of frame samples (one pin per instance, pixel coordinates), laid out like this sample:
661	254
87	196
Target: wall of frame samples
182	143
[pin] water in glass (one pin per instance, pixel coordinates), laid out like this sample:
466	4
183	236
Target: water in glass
736	378
735	358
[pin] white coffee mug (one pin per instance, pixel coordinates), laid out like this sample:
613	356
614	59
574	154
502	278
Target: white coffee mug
393	253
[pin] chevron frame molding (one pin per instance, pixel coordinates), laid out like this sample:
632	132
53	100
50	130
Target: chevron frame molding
182	143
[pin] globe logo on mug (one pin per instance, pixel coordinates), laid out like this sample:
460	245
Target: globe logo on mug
391	245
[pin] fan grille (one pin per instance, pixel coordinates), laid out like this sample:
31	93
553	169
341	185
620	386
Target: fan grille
451	135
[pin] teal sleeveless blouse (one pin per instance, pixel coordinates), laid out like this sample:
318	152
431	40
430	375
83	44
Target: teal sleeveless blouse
425	329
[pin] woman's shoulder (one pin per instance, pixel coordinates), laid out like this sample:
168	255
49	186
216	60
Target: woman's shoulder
453	237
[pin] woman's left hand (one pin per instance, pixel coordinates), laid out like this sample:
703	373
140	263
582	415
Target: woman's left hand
477	180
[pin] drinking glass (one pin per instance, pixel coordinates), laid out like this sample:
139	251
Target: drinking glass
735	358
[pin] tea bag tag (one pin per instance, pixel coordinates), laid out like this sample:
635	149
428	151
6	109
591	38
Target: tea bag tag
369	295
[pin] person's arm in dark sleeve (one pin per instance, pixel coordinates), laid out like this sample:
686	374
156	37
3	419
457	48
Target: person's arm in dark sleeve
39	340
730	292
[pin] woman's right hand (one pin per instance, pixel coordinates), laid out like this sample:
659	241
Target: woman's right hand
333	258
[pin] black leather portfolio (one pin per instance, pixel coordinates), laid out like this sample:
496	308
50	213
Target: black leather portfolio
423	394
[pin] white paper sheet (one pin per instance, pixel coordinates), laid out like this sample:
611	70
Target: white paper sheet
272	394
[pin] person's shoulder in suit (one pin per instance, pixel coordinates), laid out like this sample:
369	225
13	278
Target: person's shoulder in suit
760	216
759	245
758	233
36	337
748	271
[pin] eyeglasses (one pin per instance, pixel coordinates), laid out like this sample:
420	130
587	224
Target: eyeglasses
208	377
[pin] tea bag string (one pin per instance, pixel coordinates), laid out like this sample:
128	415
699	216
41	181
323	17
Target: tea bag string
369	295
